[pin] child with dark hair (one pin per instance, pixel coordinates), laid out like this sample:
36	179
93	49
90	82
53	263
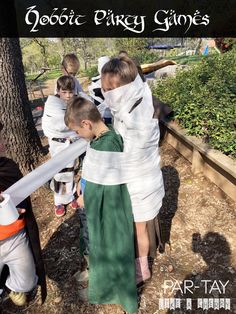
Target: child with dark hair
70	66
60	137
109	215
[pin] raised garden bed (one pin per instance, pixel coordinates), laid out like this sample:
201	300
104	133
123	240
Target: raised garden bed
216	166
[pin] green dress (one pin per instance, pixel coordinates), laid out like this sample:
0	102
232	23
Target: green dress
111	237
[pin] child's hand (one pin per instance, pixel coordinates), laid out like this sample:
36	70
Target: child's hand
21	211
80	201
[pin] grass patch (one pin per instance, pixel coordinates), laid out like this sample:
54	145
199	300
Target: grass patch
188	60
49	75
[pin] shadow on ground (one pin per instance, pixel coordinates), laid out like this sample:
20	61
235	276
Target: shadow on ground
62	260
170	201
216	283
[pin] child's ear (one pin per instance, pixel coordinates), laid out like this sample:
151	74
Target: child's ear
86	124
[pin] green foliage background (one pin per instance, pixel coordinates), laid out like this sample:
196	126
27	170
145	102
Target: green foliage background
204	100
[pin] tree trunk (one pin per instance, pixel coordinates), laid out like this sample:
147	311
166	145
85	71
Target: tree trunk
63	47
198	47
21	138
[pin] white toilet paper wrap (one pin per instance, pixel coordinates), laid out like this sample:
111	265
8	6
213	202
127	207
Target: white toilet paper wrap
8	211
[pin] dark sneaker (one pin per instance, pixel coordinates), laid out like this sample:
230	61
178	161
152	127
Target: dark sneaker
59	210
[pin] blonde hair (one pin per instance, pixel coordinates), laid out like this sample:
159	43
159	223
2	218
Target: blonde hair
71	63
123	67
80	109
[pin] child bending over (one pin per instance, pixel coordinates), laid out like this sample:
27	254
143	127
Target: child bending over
109	217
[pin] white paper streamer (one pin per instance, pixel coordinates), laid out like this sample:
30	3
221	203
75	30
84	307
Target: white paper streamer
8	211
32	181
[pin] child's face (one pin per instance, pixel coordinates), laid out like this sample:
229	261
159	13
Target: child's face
71	71
84	130
110	82
65	94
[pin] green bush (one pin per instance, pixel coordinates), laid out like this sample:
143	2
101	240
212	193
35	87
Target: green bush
146	56
188	60
91	71
204	100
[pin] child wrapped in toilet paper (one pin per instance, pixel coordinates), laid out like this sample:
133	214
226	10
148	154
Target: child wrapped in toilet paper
19	238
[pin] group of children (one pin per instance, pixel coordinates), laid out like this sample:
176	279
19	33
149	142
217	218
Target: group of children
121	184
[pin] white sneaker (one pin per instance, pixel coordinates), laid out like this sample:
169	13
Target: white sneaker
18	298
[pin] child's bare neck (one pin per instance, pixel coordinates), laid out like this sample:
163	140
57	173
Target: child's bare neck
100	128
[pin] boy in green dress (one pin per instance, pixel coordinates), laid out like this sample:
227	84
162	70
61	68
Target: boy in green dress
109	217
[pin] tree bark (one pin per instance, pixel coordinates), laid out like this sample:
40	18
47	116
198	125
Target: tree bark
63	47
198	47
21	138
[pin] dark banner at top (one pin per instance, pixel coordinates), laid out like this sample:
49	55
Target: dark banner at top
139	18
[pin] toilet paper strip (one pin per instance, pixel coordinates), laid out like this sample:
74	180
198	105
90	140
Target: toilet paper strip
39	176
8	211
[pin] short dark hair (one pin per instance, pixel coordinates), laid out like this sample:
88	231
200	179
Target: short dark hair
79	109
123	67
65	82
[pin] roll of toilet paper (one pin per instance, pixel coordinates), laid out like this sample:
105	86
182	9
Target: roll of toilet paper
8	211
36	178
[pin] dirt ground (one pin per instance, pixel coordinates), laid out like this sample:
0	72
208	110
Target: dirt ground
198	226
192	205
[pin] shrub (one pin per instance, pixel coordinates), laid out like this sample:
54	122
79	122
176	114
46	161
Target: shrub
146	56
204	100
91	71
